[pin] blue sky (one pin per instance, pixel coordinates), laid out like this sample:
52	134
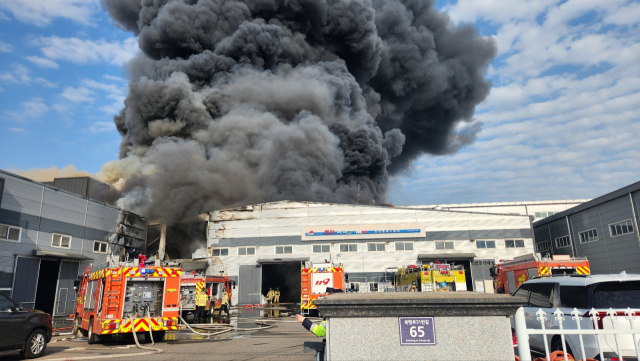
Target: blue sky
562	120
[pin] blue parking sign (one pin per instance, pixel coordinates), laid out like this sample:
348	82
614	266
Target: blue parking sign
417	331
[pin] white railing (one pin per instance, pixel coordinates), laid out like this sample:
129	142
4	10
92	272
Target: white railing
557	329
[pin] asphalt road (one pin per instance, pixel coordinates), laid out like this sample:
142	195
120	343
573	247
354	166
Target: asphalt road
283	342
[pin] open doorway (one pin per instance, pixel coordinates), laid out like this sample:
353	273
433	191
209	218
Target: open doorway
285	276
47	283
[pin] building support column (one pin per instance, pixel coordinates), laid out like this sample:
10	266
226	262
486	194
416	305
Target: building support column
635	215
163	241
574	251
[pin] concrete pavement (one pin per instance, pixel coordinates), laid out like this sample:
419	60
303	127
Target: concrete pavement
282	342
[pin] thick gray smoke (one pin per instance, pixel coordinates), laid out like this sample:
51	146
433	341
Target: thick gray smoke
239	102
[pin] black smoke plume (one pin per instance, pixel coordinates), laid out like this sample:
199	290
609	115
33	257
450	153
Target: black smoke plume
238	102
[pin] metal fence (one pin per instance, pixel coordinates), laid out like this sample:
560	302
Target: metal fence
620	325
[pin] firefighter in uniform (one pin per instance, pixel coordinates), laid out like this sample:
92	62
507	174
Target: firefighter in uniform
276	296
224	305
270	295
318	329
414	288
201	301
443	287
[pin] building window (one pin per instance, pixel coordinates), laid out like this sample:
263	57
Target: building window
351	247
511	243
284	249
321	248
588	236
444	244
9	233
562	242
100	247
542	247
485	244
220	252
404	246
544	214
375	247
246	251
620	228
61	241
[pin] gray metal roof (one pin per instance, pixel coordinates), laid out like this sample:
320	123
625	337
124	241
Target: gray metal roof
592	203
49	185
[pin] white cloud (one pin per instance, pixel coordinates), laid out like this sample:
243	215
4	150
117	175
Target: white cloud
78	95
562	120
42	62
17	130
61	108
84	51
22	75
5	48
110	97
99	127
42	13
114	93
113	78
32	109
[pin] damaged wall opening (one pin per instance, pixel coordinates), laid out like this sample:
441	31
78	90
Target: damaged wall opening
182	239
284	275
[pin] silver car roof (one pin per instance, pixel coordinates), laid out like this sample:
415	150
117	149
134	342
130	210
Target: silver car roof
586	280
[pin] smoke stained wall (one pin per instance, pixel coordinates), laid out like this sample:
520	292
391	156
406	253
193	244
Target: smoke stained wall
242	102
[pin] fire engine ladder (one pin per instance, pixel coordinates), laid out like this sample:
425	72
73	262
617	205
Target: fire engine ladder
306	287
112	292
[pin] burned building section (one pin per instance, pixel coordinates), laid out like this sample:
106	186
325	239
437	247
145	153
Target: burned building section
178	240
129	235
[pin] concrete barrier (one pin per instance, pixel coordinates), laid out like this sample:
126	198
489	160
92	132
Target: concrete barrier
419	326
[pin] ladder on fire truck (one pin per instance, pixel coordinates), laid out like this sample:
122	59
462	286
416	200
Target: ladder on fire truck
112	291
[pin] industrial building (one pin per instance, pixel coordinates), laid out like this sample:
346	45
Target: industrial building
537	209
265	245
605	230
48	236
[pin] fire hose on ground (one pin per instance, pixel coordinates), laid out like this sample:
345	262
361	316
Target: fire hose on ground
263	325
152	350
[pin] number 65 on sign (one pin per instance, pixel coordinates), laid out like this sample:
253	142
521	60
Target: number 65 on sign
417	331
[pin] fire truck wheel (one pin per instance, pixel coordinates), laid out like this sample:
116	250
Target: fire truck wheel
91	336
158	336
76	326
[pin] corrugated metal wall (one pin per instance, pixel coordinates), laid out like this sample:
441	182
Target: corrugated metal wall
41	211
607	254
264	226
249	284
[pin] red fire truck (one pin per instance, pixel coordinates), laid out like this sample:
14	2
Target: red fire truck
191	284
126	298
316	280
509	275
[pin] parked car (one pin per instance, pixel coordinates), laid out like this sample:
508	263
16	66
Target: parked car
600	292
26	330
